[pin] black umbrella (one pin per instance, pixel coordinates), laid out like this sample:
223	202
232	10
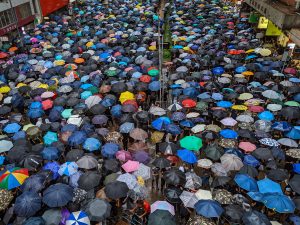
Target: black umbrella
27	204
119	87
32	162
168	147
246	134
294	183
250	170
262	153
278	174
290	113
111	165
5	110
57	195
142	116
172	194
296	200
220	114
209	135
116	190
161	163
97	109
255	218
89	180
161	217
97	209
220	181
234	213
175	177
213	151
34	183
74	155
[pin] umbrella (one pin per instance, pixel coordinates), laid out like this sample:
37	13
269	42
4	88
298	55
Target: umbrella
13	178
168	147
91	144
255	218
34	183
288	142
27	204
208	208
161	217
163	205
78	218
138	134
89	180
187	156
246	182
213	152
188	199
116	190
57	195
268	186
278	202
68	168
87	162
128	179
192	181
161	163
143	171
174	177
11	128
222	196
97	210
172	194
191	143
204	163
160	123
109	150
231	162
131	166
52	216
5	145
294	183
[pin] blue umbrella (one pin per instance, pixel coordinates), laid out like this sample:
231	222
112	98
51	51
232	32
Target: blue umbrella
186	123
91	144
107	102
19	135
161	123
116	111
251	57
204	95
187	156
173	129
246	182
126	127
240	69
35	113
27	204
68	168
217	96
177	46
296	168
268	186
73	182
69	127
208	208
77	138
281	126
12	128
53	167
251	161
191	92
218	70
228	133
266	115
278	202
177	116
109	150
297	97
50	153
256	196
34	183
154	86
295	219
57	195
224	104
85	86
293	134
50	137
235	151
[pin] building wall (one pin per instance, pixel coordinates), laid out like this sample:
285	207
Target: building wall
49	6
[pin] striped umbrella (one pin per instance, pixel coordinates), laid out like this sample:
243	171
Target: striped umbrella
78	218
13	178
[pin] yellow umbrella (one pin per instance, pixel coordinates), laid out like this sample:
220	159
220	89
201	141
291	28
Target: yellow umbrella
252	102
21	85
59	62
156	137
239	107
126	96
186	48
27	126
250	51
45	86
1	97
4	89
89	44
152	48
248	73
245	96
265	52
182	38
212	127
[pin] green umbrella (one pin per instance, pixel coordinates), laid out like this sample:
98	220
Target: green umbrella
191	143
153	72
93	90
202	106
292	103
111	72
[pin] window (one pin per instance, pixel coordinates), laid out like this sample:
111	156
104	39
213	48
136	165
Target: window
25	10
6	18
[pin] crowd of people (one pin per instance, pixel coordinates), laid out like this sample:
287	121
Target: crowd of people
88	137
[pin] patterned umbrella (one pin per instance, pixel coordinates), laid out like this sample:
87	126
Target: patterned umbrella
68	168
222	196
269	142
128	179
143	171
78	218
189	199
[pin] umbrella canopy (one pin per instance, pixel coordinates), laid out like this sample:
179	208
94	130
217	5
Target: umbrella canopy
77	218
208	208
160	217
97	210
13	178
57	195
164	206
27	204
191	143
116	190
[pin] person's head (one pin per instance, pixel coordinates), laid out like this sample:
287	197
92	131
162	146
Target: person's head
140	202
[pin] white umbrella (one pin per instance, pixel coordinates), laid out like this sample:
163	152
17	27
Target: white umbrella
245	118
188	199
271	94
204	163
174	107
182	69
75	119
157	111
288	142
198	128
192	115
274	107
203	194
229	121
231	162
92	100
5	145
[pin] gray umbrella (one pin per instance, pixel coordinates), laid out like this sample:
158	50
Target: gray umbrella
89	180
87	162
52	216
255	218
97	209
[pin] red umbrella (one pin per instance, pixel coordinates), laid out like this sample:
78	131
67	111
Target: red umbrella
188	103
256	108
145	78
290	70
173	158
3	55
131	102
47	104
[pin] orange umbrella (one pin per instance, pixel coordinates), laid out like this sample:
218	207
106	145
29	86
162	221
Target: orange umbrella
145	78
79	60
74	73
47	104
3	55
12	49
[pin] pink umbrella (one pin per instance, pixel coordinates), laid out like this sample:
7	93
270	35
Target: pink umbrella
131	166
247	146
290	70
123	155
163	205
